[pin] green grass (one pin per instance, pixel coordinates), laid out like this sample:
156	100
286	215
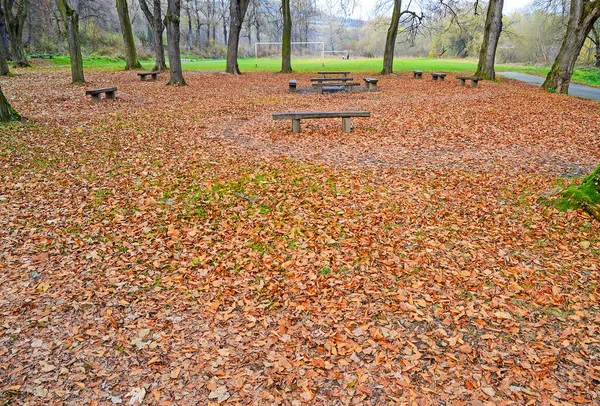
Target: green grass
590	76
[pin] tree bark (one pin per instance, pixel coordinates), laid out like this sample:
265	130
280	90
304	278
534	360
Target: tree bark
131	58
3	62
237	11
7	113
390	42
584	14
155	20
71	21
15	24
190	36
4	43
491	35
172	19
286	38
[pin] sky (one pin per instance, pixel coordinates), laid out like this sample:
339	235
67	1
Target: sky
364	8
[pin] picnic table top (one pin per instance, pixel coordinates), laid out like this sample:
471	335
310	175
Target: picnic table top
333	73
331	79
336	84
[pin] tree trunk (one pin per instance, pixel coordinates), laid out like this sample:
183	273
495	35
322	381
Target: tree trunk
71	21
491	35
172	22
4	42
131	59
390	42
596	30
15	24
190	36
3	62
237	11
584	14
155	20
150	34
286	39
7	113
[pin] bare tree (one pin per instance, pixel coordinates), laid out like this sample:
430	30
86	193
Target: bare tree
15	12
237	12
491	35
406	18
172	19
70	18
3	60
583	15
154	18
286	38
131	58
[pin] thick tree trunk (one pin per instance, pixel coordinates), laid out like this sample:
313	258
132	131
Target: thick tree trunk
131	58
7	113
286	39
71	21
237	11
15	24
3	62
172	23
154	18
584	14
390	42
4	42
491	35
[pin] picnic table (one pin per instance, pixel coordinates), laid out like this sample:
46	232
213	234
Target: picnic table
344	73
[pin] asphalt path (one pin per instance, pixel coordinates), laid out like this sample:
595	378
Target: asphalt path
587	92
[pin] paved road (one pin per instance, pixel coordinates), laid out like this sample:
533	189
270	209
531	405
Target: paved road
586	92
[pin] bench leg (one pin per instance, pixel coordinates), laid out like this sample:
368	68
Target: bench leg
320	89
473	83
97	98
346	126
154	77
461	82
295	126
372	87
110	95
441	78
292	89
419	75
434	78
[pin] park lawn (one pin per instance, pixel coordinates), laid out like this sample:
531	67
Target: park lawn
177	243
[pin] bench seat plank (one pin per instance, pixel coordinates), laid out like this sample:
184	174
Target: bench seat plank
319	80
333	73
98	91
320	114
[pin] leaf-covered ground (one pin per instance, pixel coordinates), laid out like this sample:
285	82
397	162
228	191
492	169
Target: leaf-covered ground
177	246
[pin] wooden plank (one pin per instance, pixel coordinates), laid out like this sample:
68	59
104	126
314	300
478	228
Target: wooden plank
320	114
336	84
147	73
333	73
331	79
97	91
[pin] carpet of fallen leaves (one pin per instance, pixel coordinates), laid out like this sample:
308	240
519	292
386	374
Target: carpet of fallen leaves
177	246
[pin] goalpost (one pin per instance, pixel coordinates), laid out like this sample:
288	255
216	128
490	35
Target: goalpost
322	44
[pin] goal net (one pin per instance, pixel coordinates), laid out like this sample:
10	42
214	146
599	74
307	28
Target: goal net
300	50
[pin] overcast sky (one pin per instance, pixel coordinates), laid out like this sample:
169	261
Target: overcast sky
365	7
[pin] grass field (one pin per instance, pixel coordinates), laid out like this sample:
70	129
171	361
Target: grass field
589	76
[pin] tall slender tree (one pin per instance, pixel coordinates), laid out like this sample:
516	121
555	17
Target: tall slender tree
7	113
583	15
237	12
491	35
154	18
70	18
390	41
15	13
286	38
131	58
172	19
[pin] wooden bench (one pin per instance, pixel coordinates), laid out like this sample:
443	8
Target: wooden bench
472	79
333	73
143	75
347	86
345	115
417	74
321	80
371	84
97	94
292	86
41	56
437	75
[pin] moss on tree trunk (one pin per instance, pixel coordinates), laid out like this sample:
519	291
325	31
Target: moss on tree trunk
131	58
585	196
286	38
7	113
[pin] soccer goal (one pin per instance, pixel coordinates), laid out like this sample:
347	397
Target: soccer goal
302	49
